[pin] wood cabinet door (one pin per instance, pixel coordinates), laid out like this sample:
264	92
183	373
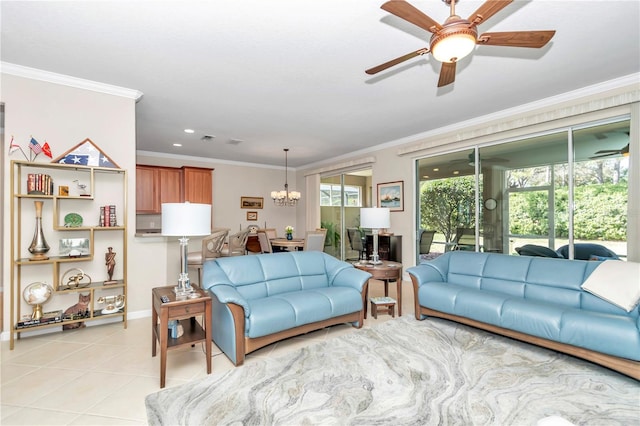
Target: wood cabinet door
170	185
198	185
147	196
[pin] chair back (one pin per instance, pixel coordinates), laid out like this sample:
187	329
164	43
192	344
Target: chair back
355	238
211	249
265	244
426	238
237	245
314	240
271	233
465	239
212	245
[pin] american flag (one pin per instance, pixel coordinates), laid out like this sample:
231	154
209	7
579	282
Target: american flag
35	146
86	154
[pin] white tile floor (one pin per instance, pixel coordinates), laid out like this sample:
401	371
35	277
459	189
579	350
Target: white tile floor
100	375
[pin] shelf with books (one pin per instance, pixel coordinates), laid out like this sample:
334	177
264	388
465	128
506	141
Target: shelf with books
68	217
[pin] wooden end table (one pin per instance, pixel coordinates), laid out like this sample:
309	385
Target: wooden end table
385	271
183	310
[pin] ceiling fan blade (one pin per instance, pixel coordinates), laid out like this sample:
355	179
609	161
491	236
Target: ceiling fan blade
447	74
487	10
601	156
534	39
396	61
404	10
608	151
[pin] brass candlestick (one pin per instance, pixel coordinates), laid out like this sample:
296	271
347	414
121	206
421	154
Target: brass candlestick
39	246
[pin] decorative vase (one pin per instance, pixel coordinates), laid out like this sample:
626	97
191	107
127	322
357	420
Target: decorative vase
289	236
39	246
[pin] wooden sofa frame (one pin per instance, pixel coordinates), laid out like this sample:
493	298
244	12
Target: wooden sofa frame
621	365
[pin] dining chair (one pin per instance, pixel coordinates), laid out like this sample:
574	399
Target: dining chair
271	233
465	239
426	238
265	243
211	249
355	240
314	241
237	244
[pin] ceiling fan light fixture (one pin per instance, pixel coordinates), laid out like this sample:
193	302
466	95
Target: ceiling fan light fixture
453	45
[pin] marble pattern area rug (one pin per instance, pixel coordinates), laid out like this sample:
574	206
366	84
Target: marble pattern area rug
405	372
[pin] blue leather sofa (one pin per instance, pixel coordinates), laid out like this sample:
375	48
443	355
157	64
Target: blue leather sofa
260	299
535	299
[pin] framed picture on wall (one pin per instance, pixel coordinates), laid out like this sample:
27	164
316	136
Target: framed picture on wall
251	202
391	195
252	215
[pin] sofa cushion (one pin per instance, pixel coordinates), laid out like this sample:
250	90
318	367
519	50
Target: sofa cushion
287	310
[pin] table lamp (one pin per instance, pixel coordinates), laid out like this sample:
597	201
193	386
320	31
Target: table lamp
185	220
376	219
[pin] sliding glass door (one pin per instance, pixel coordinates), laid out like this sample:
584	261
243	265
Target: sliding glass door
562	188
341	197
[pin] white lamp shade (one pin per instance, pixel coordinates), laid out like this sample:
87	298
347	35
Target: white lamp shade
375	218
186	219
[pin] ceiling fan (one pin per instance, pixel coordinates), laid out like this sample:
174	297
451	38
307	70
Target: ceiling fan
457	37
624	151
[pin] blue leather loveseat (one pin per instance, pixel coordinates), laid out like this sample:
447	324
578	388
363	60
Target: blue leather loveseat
535	299
260	299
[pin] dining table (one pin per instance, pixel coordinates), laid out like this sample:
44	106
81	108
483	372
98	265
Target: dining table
290	245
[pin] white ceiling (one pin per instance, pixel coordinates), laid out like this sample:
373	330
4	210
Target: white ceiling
290	73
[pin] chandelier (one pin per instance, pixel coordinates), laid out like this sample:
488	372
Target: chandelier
285	198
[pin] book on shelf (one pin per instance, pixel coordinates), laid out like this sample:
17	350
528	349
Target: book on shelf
382	299
47	318
40	184
108	216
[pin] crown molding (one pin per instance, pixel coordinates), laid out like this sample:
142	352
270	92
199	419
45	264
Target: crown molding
66	80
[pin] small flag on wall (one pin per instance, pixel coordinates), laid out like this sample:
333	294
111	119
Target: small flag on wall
15	147
35	146
46	149
86	153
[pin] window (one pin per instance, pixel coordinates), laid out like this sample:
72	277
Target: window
330	195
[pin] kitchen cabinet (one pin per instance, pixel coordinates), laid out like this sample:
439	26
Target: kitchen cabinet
197	185
156	185
147	199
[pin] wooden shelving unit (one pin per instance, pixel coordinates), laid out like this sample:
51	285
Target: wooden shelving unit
103	186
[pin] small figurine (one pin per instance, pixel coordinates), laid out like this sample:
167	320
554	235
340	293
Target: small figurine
110	261
82	189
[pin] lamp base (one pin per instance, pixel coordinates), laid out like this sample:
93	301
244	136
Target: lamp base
375	259
183	289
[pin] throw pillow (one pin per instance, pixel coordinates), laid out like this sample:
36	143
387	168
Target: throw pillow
616	282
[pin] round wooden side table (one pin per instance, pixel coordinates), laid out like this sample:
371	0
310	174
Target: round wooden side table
385	271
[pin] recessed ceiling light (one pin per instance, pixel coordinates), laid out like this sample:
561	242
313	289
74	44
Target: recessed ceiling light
436	169
456	172
189	131
177	144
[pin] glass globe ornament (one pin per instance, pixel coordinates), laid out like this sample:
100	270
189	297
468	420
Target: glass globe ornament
37	294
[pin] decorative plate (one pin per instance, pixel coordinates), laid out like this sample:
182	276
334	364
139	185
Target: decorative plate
73	220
